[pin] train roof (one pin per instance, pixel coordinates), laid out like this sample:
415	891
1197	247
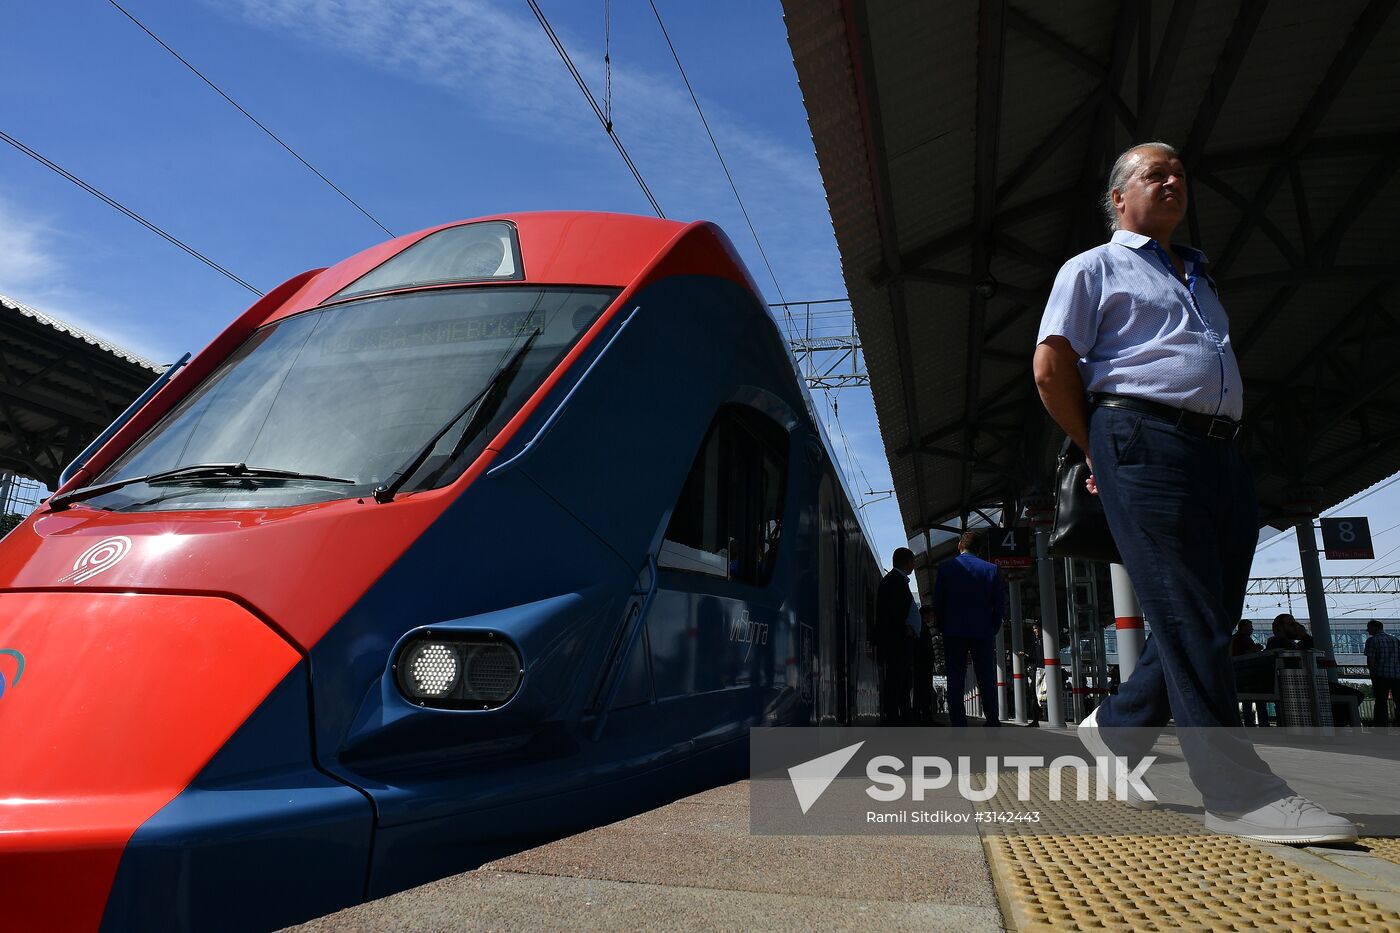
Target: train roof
557	247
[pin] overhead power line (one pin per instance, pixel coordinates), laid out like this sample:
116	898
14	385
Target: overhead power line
598	112
719	155
112	202
256	122
814	301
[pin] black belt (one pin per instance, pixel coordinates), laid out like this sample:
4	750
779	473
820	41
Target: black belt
1221	429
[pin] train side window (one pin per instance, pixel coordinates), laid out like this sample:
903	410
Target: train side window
728	520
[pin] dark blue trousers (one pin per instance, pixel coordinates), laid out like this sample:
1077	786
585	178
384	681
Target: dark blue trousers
1183	513
984	651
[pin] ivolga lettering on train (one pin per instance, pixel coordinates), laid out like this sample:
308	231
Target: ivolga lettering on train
747	632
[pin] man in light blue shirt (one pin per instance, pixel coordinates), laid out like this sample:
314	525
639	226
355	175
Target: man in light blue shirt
1134	362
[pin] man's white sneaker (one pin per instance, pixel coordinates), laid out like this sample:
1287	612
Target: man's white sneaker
1088	732
1292	820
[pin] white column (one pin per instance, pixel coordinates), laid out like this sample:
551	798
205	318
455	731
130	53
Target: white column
1018	653
1049	620
1001	672
1127	616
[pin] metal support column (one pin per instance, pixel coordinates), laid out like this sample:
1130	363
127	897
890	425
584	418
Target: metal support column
1317	602
1018	653
1127	616
1076	640
1001	671
1049	622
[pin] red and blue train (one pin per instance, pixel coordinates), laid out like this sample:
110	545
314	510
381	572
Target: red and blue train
490	533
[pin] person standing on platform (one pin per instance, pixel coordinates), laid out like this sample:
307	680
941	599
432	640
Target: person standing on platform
897	625
923	669
1134	362
1383	658
970	605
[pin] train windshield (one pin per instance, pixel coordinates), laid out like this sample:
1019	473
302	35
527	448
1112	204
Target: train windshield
355	391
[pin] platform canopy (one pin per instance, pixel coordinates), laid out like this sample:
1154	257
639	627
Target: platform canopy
964	147
59	387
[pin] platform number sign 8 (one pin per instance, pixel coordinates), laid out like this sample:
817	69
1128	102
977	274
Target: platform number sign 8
1347	539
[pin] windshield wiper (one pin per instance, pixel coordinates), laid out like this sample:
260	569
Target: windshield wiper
485	403
193	471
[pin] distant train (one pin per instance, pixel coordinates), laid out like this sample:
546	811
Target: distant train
488	534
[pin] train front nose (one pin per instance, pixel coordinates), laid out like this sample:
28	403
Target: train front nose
109	705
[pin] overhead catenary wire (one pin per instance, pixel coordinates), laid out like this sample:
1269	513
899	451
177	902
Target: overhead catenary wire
783	302
592	102
1350	502
256	122
1364	568
113	202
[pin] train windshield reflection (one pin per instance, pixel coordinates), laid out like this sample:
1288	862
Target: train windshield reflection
352	390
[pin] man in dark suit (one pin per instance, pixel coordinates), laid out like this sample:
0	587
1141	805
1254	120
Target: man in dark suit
923	670
970	604
895	635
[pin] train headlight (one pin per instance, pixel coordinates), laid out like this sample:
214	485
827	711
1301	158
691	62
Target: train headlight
469	670
433	669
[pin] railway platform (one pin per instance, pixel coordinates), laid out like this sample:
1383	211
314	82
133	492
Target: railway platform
694	865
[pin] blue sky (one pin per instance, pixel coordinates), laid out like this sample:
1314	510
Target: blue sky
424	113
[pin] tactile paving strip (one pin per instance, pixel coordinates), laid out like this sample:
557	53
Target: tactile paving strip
1387	848
1068	873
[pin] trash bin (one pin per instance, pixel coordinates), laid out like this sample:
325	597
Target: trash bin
1304	700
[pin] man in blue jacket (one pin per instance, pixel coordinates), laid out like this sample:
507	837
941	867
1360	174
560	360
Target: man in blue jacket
969	603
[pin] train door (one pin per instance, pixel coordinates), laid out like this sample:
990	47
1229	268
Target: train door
829	608
718	630
849	545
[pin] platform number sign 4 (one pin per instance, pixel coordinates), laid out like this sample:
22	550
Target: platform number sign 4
1010	547
1347	539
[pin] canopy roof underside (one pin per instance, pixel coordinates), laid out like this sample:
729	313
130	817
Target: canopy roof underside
59	387
964	147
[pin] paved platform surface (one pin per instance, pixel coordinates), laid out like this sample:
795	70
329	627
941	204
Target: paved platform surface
693	865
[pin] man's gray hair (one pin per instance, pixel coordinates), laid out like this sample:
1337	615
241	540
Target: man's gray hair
1118	176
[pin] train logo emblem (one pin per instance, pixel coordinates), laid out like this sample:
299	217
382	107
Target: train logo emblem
104	555
19	668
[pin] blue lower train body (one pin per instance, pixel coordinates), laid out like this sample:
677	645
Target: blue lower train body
641	679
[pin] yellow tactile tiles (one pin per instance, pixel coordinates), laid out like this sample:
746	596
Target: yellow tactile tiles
1081	868
1386	847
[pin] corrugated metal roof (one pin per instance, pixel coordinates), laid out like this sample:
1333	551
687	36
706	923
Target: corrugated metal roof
1290	115
59	387
63	327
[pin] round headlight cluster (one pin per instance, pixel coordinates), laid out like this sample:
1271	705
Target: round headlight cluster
473	670
433	669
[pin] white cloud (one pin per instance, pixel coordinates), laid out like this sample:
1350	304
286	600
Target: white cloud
25	259
33	272
500	63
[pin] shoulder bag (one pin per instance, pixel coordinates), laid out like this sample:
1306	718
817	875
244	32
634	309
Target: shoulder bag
1080	530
